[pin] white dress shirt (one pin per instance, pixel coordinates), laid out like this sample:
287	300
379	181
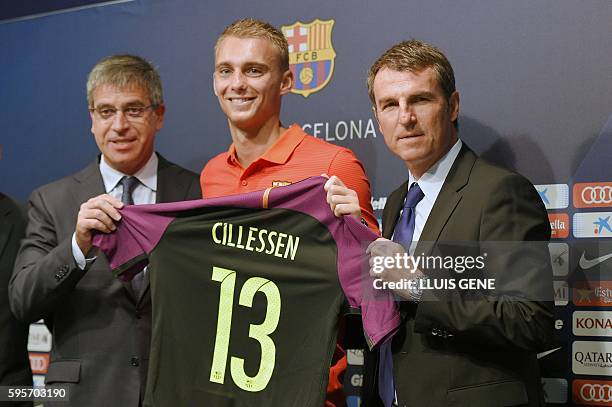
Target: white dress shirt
144	193
431	183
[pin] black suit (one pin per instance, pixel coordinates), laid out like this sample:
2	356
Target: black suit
459	352
101	328
14	364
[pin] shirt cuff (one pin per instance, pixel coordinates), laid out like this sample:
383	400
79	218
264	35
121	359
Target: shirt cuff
78	255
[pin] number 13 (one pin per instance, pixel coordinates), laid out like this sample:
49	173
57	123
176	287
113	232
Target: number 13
260	333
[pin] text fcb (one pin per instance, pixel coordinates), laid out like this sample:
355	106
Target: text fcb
593	195
592	392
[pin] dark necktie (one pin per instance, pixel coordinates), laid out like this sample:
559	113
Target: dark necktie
404	229
129	184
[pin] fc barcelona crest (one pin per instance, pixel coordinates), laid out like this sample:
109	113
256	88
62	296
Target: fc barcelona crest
311	55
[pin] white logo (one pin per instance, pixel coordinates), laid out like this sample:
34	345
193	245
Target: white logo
597	195
546	353
39	338
554	196
592	358
592	323
596	392
587	264
354	357
593	224
559	258
555	390
357	380
561	293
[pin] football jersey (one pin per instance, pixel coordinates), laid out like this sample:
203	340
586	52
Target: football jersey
246	293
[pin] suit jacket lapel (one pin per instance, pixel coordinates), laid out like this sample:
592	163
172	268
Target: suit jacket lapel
90	182
5	225
448	198
392	209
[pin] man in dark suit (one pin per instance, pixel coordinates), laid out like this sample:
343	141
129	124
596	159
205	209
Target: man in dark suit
457	348
14	364
101	327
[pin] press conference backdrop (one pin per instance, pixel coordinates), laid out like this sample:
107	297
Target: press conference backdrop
535	78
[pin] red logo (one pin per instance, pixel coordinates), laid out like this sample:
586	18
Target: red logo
559	225
593	195
594	293
39	362
592	392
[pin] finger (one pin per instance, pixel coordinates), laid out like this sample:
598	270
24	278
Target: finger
94	224
108	198
105	205
97	215
328	183
347	209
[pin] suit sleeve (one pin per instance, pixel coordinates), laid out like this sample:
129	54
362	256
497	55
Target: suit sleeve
45	271
513	212
350	170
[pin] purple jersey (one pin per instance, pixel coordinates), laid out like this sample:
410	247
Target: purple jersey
246	292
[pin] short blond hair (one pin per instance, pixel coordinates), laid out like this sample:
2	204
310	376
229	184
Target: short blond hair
123	71
252	28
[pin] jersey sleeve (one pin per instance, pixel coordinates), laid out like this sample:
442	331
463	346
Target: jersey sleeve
137	233
349	169
379	311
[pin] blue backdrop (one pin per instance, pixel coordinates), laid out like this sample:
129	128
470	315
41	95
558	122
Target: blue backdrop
535	79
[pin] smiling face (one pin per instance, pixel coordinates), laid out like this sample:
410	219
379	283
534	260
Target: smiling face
249	82
415	117
126	143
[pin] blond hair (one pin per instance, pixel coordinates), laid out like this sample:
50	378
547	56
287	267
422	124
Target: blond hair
252	28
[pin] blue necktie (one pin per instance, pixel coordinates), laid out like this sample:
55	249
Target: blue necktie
404	229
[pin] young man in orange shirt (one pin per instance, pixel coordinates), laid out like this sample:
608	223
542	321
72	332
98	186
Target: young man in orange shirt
251	77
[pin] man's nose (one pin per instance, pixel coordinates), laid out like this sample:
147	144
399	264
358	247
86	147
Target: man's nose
238	81
406	114
120	122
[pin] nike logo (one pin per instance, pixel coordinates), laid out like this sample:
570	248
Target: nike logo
548	352
587	264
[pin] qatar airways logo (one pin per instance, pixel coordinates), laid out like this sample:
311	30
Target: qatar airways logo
592	358
592	323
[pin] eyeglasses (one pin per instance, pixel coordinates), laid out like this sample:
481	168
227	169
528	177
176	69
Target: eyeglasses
131	113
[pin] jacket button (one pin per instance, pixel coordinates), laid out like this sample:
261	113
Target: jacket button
134	361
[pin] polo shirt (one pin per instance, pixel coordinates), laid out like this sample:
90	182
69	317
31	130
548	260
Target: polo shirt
293	157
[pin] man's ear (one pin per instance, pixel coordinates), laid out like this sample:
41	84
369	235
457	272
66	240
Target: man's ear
286	82
91	116
159	111
453	106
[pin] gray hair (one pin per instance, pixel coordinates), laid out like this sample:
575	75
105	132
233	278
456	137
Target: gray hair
123	71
